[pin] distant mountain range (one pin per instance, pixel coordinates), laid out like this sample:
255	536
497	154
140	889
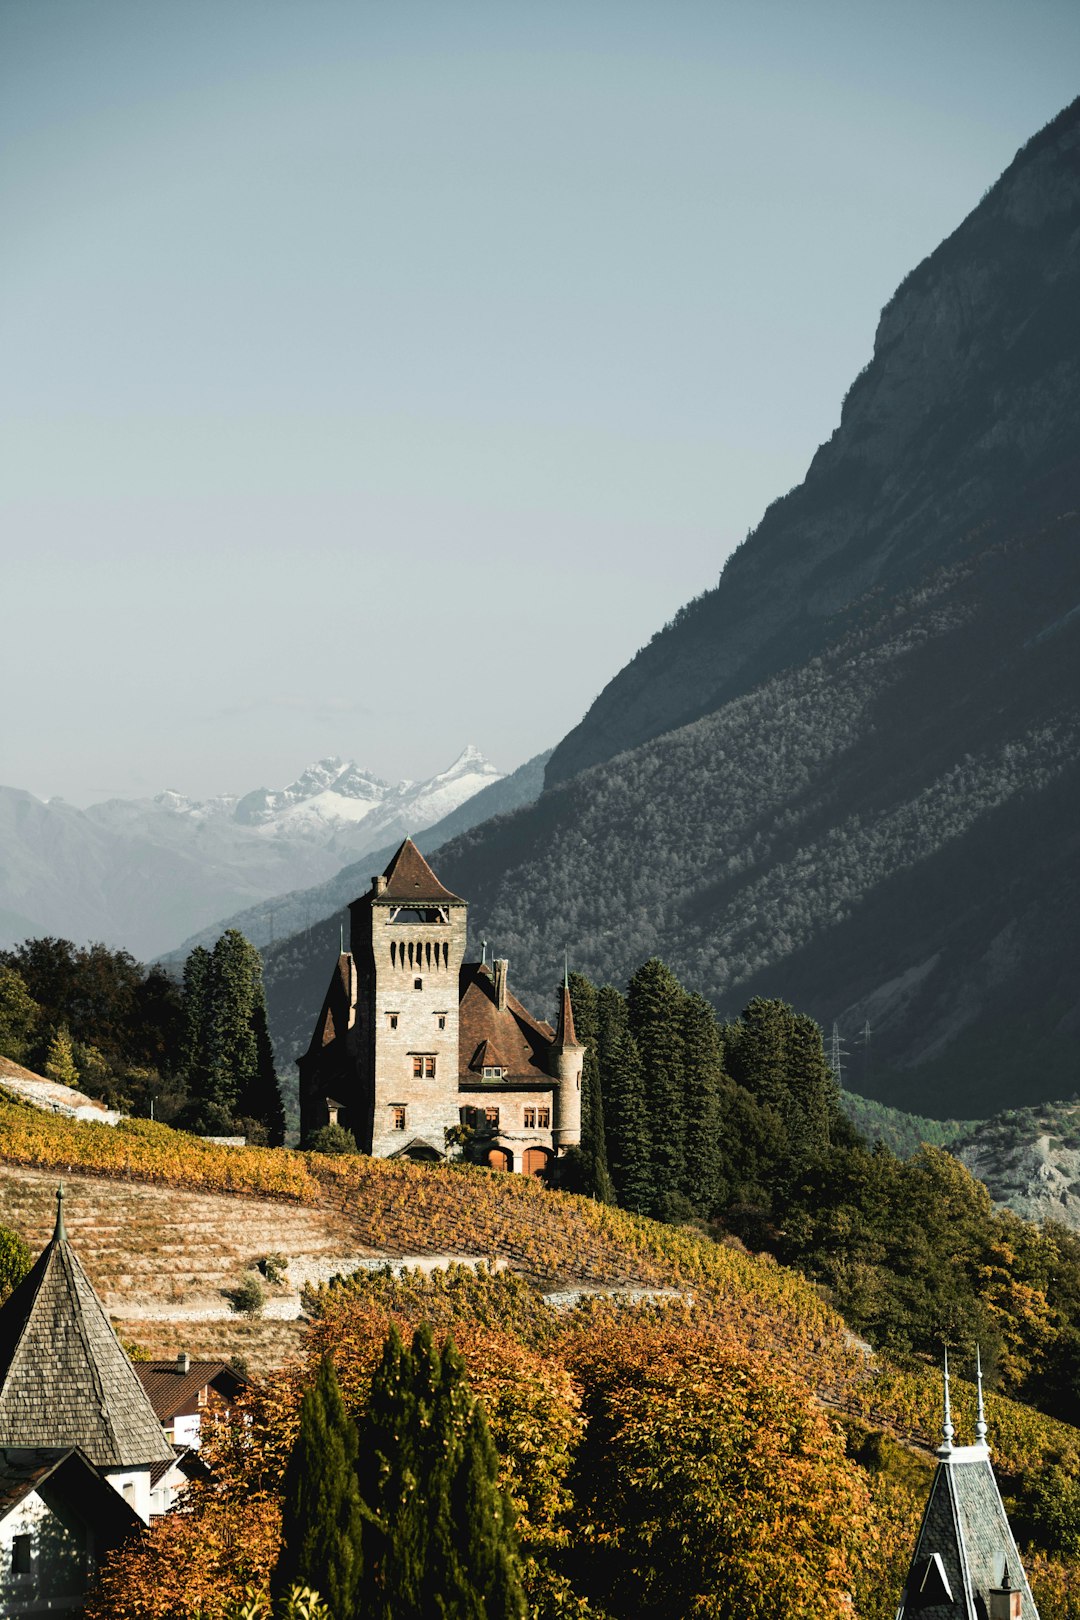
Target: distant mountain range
147	873
849	776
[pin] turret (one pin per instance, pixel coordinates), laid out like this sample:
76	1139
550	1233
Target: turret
567	1060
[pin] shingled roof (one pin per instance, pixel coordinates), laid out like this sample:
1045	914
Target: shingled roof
510	1039
174	1386
64	1378
409	878
966	1548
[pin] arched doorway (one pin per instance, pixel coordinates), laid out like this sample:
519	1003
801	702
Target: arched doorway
535	1161
500	1159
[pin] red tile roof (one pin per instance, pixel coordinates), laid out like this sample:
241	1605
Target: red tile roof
173	1392
409	877
512	1039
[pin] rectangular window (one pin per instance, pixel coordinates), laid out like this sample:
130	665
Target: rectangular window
429	1068
530	1119
391	1019
491	1116
20	1555
418	984
468	1117
442	1020
398	1112
543	1119
418	1068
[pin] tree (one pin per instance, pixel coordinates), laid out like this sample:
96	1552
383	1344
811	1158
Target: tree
322	1514
15	1261
703	1076
19	1013
623	1085
440	1538
60	1063
654	1000
227	1054
594	1176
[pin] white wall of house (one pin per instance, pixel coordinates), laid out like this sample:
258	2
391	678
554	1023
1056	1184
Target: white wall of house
133	1484
59	1557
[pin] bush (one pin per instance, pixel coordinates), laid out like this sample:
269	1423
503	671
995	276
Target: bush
333	1139
274	1268
249	1295
15	1261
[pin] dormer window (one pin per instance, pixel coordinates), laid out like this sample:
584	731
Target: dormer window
492	1071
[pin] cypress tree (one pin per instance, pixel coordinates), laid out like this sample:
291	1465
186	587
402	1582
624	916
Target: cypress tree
233	1058
595	1177
622	1083
481	1571
654	1000
703	1076
322	1514
195	1040
227	1055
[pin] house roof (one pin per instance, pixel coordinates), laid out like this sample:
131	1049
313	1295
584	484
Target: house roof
564	1033
410	878
172	1390
64	1378
512	1039
65	1474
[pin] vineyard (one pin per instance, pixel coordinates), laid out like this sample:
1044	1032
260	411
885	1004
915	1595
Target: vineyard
533	1363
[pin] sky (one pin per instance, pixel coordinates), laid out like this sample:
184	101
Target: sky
377	377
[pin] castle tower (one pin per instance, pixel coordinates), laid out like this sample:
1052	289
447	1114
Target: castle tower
966	1561
567	1062
408	944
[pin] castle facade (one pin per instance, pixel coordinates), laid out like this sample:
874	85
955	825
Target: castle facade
414	1046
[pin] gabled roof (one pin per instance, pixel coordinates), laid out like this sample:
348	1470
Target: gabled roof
512	1039
64	1378
64	1475
172	1388
410	878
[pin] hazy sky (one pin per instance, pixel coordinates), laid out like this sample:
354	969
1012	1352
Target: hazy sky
377	377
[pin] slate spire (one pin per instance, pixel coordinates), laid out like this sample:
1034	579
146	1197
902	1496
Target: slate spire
64	1378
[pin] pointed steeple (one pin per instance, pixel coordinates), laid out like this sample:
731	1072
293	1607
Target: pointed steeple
409	879
965	1538
565	1034
64	1377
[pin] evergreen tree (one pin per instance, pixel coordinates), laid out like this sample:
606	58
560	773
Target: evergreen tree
654	1000
777	1054
622	1084
195	1039
60	1063
703	1076
322	1514
228	1057
481	1572
595	1177
233	1058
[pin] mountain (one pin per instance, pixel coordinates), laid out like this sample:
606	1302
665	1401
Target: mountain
287	914
849	775
145	873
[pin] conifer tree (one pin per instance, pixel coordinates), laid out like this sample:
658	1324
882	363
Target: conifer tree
60	1063
623	1086
592	1154
228	1058
195	1040
654	1000
481	1577
703	1076
322	1513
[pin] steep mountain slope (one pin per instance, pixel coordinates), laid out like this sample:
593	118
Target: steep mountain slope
964	425
145	873
287	914
873	814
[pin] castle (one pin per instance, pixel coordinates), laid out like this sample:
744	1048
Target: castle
414	1046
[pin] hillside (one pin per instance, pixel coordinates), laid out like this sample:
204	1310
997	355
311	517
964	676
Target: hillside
848	775
86	874
547	1286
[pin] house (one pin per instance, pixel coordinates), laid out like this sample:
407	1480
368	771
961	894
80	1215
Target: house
966	1565
180	1391
413	1043
58	1518
79	1440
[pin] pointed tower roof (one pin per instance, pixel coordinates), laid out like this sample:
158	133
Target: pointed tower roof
409	878
64	1378
565	1034
966	1548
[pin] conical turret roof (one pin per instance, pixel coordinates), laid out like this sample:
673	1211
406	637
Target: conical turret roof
64	1377
410	878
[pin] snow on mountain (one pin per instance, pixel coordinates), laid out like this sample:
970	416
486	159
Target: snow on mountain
144	873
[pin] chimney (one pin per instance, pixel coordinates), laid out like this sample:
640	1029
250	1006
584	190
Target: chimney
183	1362
378	884
500	964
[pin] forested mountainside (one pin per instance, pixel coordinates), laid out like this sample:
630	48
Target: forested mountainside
963	427
287	914
873	813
